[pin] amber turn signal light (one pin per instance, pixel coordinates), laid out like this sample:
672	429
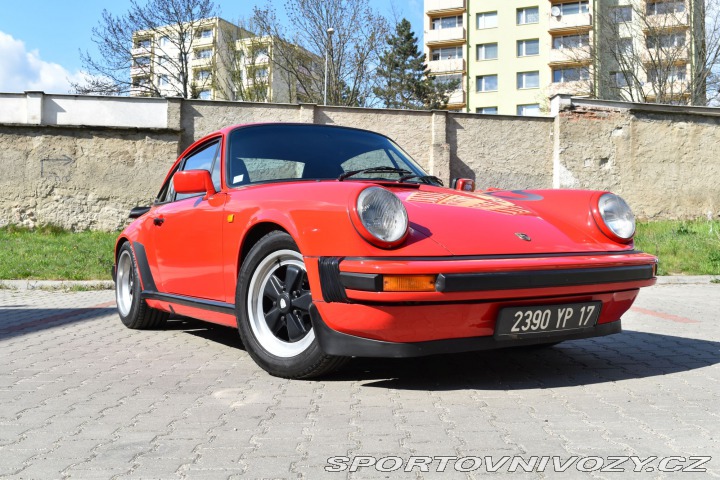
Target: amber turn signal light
409	283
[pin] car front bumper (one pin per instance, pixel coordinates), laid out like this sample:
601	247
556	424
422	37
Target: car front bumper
355	317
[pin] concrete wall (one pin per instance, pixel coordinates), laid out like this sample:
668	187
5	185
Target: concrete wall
83	162
663	160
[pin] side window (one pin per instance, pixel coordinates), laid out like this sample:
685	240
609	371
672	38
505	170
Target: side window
200	160
167	193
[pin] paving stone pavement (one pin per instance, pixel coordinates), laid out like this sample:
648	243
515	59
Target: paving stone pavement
83	397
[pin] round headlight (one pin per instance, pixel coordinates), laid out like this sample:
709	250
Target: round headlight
617	215
382	214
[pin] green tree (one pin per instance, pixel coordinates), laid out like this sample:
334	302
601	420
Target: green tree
403	78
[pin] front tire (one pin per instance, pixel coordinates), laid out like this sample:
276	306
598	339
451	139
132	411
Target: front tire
133	310
272	302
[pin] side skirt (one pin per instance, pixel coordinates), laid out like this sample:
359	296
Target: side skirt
209	305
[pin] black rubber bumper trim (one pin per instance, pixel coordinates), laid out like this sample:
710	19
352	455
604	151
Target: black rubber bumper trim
341	344
368	282
471	282
332	288
200	303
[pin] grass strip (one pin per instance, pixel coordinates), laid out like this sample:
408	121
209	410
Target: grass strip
51	253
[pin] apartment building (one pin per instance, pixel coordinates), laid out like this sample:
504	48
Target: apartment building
223	62
511	56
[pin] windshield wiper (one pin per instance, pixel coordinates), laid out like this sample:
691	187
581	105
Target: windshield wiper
399	171
426	179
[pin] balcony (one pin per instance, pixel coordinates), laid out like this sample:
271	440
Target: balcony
444	35
202	62
452	65
140	51
571	23
668	20
670	55
140	71
457	97
432	6
559	56
578	88
200	41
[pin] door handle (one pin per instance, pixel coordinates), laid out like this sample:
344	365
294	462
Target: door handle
158	221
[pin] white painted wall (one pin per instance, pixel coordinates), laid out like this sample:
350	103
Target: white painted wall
38	108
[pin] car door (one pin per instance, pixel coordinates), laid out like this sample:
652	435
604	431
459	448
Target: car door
188	232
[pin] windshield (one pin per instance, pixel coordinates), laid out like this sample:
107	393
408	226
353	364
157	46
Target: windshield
263	153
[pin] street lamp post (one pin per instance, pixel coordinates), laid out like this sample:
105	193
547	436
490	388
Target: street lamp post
330	32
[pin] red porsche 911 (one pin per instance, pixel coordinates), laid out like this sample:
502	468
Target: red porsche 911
322	243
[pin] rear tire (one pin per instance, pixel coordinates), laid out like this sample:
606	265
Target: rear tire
272	304
133	310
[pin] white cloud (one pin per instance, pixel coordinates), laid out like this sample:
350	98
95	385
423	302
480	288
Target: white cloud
22	70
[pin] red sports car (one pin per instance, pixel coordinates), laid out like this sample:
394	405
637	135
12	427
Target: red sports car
322	243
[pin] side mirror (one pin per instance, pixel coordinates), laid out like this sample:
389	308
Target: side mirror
194	181
463	184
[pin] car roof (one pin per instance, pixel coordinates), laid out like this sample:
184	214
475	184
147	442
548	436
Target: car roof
230	128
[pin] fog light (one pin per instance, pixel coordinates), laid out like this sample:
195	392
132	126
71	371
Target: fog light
409	283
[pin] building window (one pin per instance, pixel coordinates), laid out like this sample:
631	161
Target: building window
163	80
487	110
618	79
487	51
572	74
205	95
486	20
668	41
454	79
571	41
528	110
142	61
446	22
528	80
528	15
205	33
447	53
164	41
526	48
204	53
574	8
202	75
144	43
624	46
662	8
487	83
621	14
141	82
668	75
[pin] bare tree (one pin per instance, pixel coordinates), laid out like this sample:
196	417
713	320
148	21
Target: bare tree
247	69
155	40
352	49
647	51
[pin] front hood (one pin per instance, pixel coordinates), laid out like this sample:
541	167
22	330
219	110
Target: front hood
506	223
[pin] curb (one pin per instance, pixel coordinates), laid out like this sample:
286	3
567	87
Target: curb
59	285
687	279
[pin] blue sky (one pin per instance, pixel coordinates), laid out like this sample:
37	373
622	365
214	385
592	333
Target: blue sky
40	39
